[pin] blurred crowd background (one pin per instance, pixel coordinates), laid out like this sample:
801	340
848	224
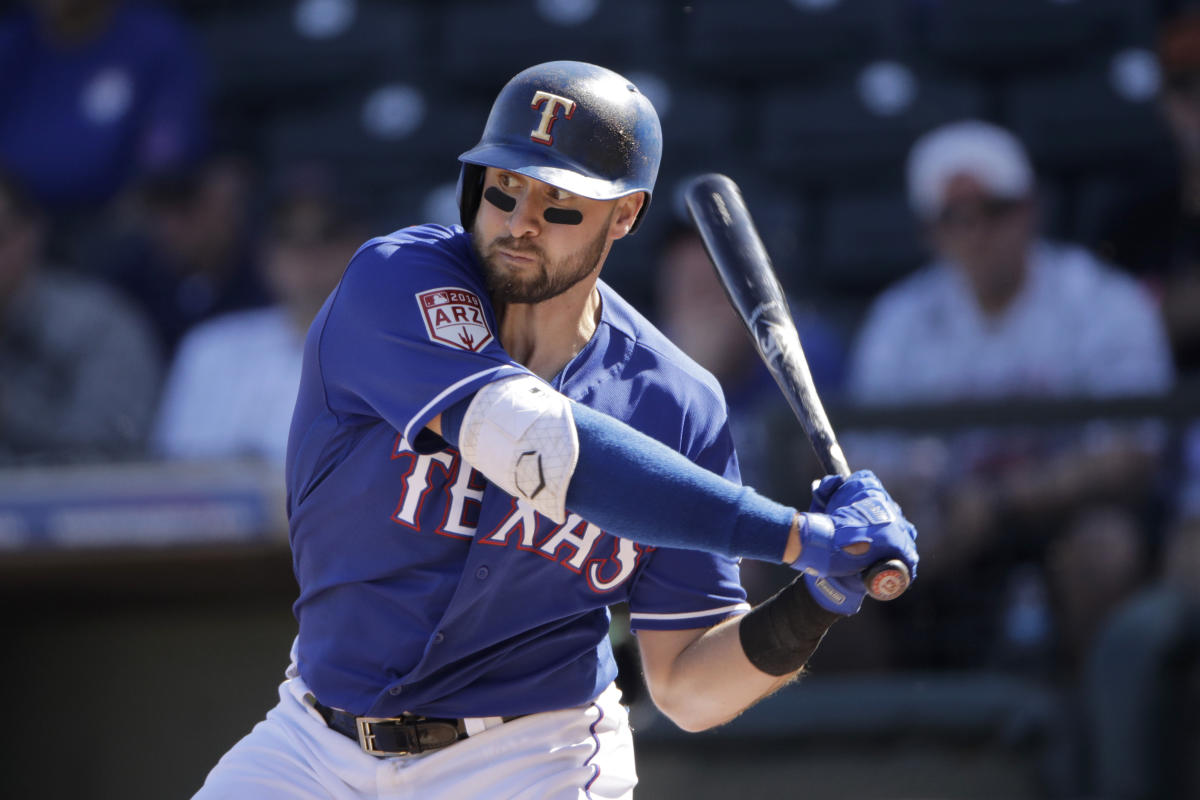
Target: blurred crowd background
986	213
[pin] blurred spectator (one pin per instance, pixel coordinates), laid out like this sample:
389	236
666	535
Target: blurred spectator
80	367
1155	232
233	382
694	311
191	255
94	94
1181	560
1043	518
1143	678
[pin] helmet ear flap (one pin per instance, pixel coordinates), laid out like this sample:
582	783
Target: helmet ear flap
637	222
469	191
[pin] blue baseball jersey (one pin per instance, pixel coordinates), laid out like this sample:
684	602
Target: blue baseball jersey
423	587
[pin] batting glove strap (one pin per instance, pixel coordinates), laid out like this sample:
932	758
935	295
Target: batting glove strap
816	544
779	635
842	596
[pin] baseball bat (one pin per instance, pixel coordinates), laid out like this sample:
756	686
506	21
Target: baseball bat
742	262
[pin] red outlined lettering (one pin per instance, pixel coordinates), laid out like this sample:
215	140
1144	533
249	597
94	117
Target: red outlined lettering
626	554
463	491
552	103
416	481
568	535
466	499
520	517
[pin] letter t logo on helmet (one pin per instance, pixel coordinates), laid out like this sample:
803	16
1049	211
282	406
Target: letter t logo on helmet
553	102
610	148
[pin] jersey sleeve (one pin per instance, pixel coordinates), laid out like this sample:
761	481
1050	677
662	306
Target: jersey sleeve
409	332
681	589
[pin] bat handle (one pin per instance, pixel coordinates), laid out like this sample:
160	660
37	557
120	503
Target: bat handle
887	580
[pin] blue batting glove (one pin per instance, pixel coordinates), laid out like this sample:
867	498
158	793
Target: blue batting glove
846	512
822	492
842	595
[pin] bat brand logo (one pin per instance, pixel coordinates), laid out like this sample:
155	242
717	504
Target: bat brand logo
552	103
777	338
454	318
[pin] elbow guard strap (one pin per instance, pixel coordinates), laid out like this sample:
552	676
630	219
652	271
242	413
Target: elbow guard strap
520	433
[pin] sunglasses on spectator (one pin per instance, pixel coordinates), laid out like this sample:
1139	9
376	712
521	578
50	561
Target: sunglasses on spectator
966	215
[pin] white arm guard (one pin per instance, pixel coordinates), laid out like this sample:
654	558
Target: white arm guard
520	433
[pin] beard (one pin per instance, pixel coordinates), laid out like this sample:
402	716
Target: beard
547	279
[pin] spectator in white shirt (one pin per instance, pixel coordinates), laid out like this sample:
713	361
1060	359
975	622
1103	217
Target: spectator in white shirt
1003	313
233	382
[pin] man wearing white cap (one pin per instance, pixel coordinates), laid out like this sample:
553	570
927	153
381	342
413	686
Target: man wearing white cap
1001	312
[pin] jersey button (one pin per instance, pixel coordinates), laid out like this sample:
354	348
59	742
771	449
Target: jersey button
438	637
481	573
395	690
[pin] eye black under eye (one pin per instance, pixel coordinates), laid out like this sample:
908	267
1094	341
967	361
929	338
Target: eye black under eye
499	199
557	216
563	216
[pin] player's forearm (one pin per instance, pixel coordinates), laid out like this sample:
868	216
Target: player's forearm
702	679
710	680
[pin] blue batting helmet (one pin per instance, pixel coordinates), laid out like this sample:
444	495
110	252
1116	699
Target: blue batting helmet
579	127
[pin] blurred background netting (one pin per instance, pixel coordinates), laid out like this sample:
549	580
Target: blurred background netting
1016	351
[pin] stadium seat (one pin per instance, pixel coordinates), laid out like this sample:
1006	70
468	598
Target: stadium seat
1094	117
699	122
868	240
779	215
482	44
418	202
281	53
383	139
779	212
861	124
785	39
1098	198
1014	35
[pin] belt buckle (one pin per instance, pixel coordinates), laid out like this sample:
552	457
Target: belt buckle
366	739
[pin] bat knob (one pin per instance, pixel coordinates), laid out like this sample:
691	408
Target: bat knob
887	580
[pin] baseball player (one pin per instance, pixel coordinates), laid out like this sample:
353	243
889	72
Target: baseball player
489	448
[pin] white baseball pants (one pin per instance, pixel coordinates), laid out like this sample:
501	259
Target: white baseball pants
583	753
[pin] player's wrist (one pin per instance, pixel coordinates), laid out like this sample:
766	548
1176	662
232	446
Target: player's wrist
794	547
779	635
814	543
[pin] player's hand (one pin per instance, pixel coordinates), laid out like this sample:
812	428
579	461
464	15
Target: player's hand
852	524
822	492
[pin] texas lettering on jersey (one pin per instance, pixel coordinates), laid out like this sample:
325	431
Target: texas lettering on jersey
604	561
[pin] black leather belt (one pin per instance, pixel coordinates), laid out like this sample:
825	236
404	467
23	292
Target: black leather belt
394	736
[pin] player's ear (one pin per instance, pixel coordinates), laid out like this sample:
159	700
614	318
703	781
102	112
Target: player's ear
627	210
